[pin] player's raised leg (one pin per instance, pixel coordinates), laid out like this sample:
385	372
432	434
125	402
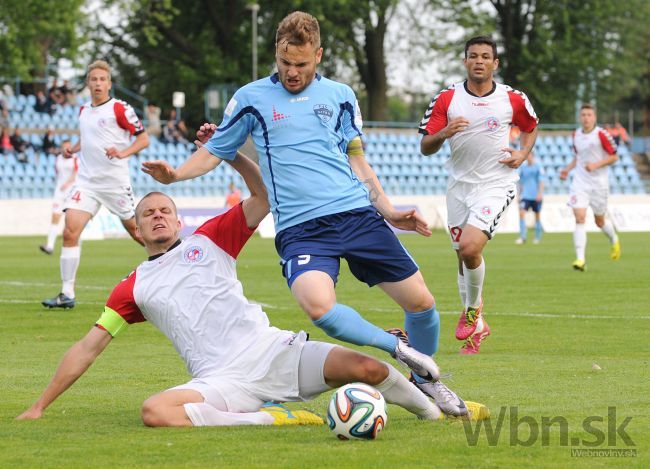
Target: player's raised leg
75	221
314	291
608	230
470	252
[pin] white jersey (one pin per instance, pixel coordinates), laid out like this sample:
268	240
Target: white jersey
590	148
476	151
65	168
191	293
111	124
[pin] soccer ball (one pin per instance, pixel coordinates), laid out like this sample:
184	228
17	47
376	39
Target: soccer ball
357	411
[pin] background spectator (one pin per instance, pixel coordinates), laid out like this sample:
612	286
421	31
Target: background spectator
152	116
5	141
49	145
20	145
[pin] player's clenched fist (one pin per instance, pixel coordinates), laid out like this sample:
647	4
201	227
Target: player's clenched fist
160	170
205	132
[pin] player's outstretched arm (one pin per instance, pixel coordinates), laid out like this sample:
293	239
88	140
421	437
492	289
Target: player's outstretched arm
74	364
255	207
408	220
200	163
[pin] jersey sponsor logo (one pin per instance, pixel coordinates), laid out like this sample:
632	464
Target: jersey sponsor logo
193	254
278	116
480	104
323	112
299	100
232	104
492	123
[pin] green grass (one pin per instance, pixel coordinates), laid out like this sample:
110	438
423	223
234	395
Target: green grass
549	323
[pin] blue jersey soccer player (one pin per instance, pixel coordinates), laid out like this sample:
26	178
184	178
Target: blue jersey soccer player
326	201
531	188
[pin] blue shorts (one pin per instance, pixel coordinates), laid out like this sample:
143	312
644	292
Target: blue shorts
527	204
360	236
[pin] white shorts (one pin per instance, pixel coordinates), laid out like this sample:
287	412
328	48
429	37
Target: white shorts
594	197
479	205
58	200
303	364
119	201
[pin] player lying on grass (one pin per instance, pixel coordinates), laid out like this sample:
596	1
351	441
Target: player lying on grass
189	290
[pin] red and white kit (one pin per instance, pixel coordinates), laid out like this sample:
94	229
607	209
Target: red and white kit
591	188
65	168
103	180
192	294
480	188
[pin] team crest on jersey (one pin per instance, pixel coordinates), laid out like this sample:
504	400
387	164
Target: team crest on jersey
193	254
492	123
323	112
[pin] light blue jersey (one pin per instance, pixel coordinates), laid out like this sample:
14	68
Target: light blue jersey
301	140
529	178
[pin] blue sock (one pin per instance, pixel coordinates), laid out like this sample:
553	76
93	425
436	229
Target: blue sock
344	323
538	230
423	330
522	228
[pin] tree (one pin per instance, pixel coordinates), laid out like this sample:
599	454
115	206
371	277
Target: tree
561	51
36	33
209	41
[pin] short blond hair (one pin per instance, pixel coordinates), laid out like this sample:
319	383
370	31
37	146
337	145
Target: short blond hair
101	65
297	29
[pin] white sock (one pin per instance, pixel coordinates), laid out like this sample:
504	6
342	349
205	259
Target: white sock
204	415
462	289
51	236
397	390
474	284
580	240
69	263
609	231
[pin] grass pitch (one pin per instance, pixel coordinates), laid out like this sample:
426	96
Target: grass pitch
550	325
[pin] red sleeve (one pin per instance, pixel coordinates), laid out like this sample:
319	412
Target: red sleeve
523	114
435	118
127	118
229	230
123	302
608	143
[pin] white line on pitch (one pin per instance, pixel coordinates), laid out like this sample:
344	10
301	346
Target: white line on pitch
492	313
27	302
15	283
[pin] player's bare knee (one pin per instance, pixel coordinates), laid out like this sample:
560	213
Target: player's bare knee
422	301
471	253
371	370
151	413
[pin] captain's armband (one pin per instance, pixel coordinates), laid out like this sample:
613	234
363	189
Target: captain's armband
355	147
111	321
